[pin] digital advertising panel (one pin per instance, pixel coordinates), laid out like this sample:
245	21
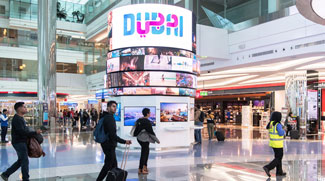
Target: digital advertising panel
144	25
158	62
132	114
162	79
182	64
132	63
173	112
117	115
139	78
113	64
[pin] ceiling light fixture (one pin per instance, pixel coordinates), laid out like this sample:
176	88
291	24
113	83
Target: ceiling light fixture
319	7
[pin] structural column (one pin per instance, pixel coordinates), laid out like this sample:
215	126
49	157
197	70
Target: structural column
46	53
296	97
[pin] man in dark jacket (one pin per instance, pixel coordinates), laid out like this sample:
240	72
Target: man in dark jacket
109	145
19	134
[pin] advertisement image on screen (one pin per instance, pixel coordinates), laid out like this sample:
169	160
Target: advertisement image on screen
125	52
162	79
182	64
107	81
113	65
132	63
172	91
132	114
158	90
157	62
115	79
184	80
186	92
145	25
138	78
173	112
117	115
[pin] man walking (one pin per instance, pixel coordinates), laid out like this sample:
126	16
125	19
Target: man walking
198	121
4	125
109	145
19	134
276	133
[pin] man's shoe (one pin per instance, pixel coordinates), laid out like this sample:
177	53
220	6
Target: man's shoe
5	178
283	174
267	171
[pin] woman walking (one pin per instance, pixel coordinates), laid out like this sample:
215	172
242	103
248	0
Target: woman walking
276	133
145	136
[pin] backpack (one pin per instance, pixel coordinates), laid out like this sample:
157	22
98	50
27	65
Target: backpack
202	116
99	134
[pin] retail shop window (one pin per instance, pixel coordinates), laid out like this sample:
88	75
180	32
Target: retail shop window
66	68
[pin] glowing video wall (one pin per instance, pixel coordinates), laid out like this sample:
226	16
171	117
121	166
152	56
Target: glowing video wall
152	51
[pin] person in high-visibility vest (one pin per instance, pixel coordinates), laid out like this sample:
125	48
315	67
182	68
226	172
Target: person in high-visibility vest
276	134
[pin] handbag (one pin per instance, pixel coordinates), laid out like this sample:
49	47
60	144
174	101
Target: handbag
34	148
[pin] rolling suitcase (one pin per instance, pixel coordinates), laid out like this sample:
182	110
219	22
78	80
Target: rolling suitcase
294	134
119	174
219	135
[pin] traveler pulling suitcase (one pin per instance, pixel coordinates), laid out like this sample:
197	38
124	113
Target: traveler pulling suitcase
219	135
119	174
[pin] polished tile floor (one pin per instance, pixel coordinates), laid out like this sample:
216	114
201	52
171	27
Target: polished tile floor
73	155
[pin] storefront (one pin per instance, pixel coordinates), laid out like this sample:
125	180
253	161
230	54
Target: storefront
229	107
8	100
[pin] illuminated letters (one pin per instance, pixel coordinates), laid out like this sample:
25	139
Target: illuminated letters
156	24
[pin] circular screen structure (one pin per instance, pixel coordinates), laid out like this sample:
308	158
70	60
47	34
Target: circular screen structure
152	51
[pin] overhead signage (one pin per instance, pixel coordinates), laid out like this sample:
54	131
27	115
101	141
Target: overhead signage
144	25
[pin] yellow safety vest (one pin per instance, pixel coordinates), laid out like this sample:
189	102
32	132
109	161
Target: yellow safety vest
276	141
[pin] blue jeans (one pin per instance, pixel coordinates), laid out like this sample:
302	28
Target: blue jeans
23	162
197	132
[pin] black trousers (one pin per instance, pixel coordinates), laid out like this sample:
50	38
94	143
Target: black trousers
110	161
144	154
289	129
4	130
23	162
277	161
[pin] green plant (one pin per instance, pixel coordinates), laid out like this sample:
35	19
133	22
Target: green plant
60	13
80	16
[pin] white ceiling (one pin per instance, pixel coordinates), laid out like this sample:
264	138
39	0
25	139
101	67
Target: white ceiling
266	73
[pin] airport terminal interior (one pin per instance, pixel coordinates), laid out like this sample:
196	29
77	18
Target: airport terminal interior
222	69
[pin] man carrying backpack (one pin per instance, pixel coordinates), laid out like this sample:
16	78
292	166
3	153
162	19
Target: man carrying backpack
110	144
198	121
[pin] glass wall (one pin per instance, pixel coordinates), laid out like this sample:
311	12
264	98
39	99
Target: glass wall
27	70
28	9
16	38
93	8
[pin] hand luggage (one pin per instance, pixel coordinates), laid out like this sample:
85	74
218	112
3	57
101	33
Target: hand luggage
34	148
294	134
219	135
119	174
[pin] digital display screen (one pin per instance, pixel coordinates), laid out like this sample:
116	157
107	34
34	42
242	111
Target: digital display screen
132	114
151	91
113	64
173	112
151	25
152	59
150	78
117	115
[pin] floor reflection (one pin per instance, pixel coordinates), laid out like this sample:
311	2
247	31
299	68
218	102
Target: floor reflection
73	155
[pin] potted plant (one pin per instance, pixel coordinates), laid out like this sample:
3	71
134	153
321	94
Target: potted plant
60	13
